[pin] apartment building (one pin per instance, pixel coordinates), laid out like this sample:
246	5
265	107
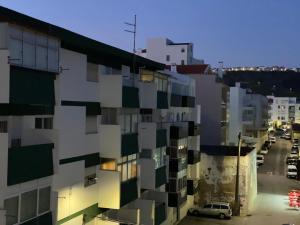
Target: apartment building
86	137
213	96
168	52
283	110
248	115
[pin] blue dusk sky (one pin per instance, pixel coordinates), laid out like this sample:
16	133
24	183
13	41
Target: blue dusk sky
238	32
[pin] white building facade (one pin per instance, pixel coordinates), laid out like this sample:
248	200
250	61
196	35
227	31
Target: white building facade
87	138
165	51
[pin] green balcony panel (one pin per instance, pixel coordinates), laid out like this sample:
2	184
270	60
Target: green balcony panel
162	100
31	87
130	97
176	100
129	144
92	108
45	219
24	110
129	191
161	138
160	176
27	163
160	214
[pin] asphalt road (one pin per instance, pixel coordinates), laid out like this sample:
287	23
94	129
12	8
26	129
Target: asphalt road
271	207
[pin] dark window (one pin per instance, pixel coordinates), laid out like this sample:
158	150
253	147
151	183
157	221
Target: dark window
208	206
224	207
44	199
182	50
38	123
28	205
90	180
216	206
3	126
48	123
168	58
11	206
182	62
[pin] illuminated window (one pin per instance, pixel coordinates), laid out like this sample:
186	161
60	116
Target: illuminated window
108	164
128	167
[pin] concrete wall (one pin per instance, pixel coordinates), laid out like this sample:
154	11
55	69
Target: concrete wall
217	180
4	78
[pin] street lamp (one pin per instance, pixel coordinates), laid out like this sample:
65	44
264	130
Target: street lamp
237	180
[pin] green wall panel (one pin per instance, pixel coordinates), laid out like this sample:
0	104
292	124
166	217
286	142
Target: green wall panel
129	144
130	97
162	100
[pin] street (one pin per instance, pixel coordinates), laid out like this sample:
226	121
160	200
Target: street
271	206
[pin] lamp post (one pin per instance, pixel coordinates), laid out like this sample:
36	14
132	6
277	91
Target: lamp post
237	180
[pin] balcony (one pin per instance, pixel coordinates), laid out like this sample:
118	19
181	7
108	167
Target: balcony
160	213
162	100
160	176
176	100
175	199
193	157
26	163
121	216
123	96
179	130
193	187
114	145
188	101
194	129
151	177
178	164
151	137
114	193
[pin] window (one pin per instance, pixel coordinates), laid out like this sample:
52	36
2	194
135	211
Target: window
159	157
167	58
33	50
44	123
108	164
44	199
128	167
182	62
89	180
3	126
216	206
208	206
129	123
182	50
109	116
224	207
11	205
28	205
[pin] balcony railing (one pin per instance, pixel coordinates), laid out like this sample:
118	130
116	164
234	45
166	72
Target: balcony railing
28	163
179	131
162	100
161	138
160	176
194	129
129	191
160	213
193	157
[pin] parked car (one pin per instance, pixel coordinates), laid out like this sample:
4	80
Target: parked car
294	155
260	159
263	151
296	145
291	161
268	144
296	141
272	139
218	209
295	150
291	171
288	137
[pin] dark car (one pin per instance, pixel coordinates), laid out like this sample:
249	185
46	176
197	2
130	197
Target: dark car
291	161
295	149
268	144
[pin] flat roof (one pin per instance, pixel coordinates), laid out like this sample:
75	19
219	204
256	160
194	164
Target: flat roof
97	52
